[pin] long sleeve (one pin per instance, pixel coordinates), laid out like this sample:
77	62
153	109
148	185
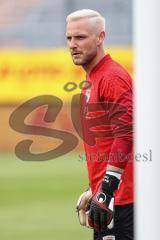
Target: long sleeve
119	95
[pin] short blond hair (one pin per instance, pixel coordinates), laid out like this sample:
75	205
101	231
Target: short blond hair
94	16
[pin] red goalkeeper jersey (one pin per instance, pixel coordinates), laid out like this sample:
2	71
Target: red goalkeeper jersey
106	116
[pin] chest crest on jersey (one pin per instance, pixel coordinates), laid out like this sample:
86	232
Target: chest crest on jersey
87	95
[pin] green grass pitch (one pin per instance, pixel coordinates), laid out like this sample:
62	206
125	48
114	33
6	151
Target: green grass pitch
37	199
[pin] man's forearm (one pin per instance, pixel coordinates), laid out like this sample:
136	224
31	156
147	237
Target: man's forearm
121	153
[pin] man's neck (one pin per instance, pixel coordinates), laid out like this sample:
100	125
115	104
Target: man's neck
88	68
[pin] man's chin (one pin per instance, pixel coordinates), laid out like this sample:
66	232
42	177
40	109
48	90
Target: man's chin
76	62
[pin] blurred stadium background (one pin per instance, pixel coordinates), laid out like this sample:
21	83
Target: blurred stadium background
38	198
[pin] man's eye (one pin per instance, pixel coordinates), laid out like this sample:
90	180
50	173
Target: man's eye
80	37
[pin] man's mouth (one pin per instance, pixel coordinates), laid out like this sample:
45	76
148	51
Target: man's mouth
76	53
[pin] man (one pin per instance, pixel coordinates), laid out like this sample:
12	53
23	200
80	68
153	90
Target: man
106	116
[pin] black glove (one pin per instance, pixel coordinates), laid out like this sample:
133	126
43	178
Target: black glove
101	212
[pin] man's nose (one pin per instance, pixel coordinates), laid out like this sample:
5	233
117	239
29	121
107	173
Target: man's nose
72	43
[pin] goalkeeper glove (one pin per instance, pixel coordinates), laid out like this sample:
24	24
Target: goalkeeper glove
101	214
82	207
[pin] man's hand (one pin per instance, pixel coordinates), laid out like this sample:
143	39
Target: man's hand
82	207
101	213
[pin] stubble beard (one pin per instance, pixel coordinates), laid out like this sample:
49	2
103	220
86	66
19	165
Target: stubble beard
85	60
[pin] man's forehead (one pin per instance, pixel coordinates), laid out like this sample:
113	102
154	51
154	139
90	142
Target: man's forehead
77	33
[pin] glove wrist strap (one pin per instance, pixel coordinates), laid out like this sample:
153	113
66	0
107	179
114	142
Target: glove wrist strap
116	174
110	182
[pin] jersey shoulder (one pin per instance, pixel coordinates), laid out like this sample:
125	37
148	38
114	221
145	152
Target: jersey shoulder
115	80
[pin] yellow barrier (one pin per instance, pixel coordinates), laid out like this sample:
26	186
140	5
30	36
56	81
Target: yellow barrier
25	74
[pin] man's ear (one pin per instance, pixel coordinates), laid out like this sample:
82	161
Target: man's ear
101	38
